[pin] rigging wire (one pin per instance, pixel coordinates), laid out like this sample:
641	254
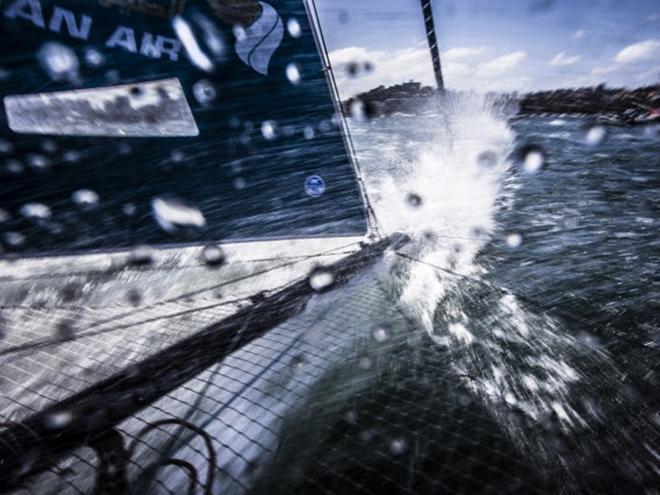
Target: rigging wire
50	342
502	290
372	219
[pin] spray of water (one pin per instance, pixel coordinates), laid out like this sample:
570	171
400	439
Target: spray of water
443	184
444	194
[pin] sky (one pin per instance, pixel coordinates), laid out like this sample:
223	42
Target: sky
496	45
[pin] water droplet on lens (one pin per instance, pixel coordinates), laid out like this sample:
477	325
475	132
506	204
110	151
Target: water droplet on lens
85	198
414	200
124	149
293	73
297	362
595	135
364	363
514	240
64	330
380	334
269	130
59	61
358	110
141	256
49	146
14	167
204	91
38	162
325	126
71	292
129	209
315	186
177	156
192	47
532	159
58	420
590	340
213	255
399	446
14	239
136	92
308	132
6	147
93	57
367	436
430	236
321	279
35	211
351	417
352	68
478	232
293	26
4	216
134	296
239	183
113	76
71	156
172	213
487	159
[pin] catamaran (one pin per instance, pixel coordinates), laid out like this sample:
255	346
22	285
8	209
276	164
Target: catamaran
171	239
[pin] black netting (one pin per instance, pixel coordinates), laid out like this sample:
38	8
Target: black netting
339	391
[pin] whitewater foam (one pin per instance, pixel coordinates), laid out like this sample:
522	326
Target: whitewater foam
517	362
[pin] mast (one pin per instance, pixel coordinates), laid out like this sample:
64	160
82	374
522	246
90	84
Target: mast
427	10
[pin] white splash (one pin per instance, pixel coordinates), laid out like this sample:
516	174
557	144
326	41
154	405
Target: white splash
527	367
458	195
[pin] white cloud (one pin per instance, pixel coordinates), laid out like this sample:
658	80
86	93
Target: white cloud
389	68
579	34
455	69
561	59
602	71
651	76
394	67
502	64
644	50
460	53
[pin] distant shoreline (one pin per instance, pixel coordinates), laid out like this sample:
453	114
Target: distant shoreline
617	106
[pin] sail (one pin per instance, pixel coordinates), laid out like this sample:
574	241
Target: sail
164	122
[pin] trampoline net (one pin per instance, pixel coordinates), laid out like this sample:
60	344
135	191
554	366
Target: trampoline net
347	395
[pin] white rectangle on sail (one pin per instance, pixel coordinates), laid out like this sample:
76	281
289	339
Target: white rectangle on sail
146	109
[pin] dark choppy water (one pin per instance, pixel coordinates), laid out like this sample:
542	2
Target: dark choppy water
543	299
589	256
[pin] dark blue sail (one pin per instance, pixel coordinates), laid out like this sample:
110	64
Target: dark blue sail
219	105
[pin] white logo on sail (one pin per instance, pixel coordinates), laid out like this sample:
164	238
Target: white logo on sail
256	44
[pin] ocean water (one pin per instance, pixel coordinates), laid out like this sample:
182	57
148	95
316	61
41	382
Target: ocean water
536	278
